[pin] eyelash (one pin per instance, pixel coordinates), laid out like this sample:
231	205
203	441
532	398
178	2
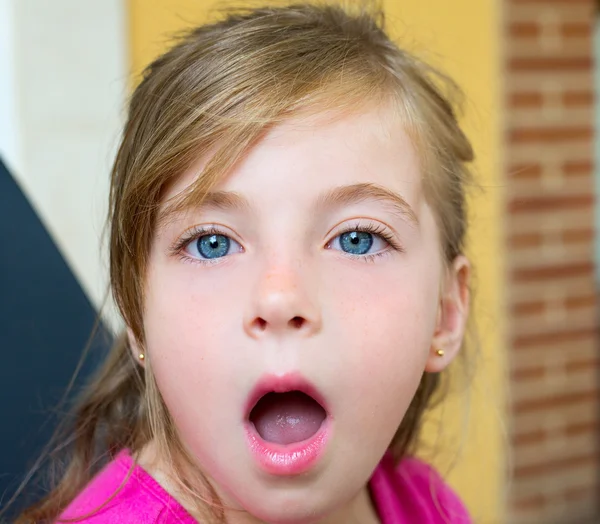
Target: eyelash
178	249
374	229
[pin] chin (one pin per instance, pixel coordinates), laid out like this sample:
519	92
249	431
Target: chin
307	499
289	510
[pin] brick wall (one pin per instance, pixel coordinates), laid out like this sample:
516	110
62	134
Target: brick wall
552	294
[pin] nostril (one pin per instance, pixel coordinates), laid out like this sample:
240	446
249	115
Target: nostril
260	325
297	322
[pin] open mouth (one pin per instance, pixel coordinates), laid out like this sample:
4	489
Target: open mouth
288	424
288	417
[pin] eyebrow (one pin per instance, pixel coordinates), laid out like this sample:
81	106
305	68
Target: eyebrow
213	200
355	193
337	197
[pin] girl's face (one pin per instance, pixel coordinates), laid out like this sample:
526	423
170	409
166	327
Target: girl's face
314	267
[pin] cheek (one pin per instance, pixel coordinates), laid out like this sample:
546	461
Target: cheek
386	323
185	312
186	328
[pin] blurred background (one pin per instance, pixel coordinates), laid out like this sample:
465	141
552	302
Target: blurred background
521	441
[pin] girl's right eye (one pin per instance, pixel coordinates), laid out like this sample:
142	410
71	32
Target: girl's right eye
211	246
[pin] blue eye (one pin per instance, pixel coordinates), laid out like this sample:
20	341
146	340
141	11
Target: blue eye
364	241
213	246
209	246
356	242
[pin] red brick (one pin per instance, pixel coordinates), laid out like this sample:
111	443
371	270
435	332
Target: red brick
552	272
525	240
578	167
537	501
533	437
525	374
580	301
525	171
555	464
537	307
578	429
528	308
524	29
578	98
554	401
576	494
550	135
539	434
574	367
550	203
553	337
535	373
525	99
575	236
574	29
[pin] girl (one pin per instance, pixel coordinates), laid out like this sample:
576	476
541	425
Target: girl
286	249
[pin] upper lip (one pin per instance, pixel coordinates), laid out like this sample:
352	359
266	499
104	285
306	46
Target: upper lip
283	384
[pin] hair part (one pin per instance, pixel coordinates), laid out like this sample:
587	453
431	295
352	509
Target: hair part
217	91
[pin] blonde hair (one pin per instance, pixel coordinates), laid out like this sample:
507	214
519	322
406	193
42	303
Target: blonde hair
217	90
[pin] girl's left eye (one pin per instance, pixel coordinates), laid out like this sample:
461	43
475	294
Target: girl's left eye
359	242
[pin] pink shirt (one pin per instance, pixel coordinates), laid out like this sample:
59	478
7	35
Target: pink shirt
410	493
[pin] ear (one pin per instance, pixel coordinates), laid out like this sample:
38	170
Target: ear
136	350
452	316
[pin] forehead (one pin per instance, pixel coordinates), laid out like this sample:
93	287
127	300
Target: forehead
309	155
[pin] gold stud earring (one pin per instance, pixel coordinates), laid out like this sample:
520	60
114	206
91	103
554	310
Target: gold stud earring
439	352
141	356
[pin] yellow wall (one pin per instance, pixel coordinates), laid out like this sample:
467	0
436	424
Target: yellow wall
462	37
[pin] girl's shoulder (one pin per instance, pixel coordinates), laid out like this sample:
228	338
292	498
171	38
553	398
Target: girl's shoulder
122	493
413	491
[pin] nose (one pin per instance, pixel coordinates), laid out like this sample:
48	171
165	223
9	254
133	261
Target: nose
284	302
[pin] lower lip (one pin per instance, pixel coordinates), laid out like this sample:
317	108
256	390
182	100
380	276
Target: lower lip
290	459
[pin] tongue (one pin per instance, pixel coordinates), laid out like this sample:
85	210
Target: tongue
285	418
